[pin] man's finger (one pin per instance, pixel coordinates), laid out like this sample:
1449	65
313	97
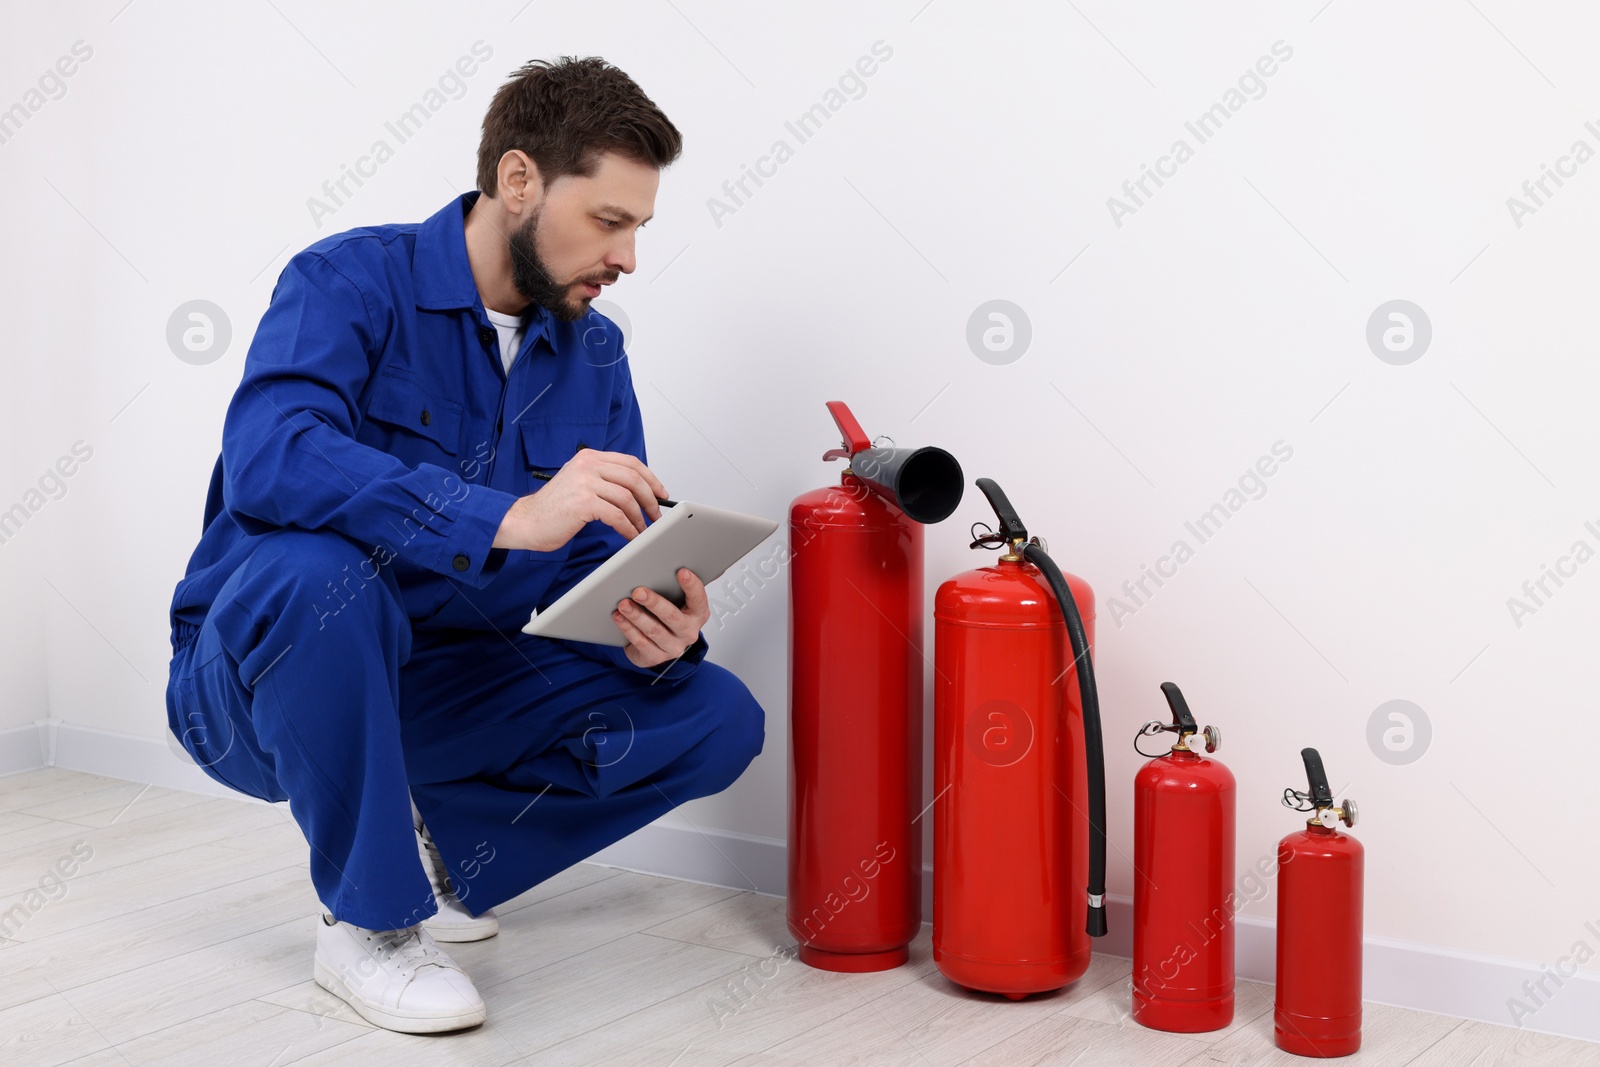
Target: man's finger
634	466
618	520
662	637
642	618
636	637
648	474
657	609
624	501
634	483
694	591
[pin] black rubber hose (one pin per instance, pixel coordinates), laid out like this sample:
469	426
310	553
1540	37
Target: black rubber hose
1093	743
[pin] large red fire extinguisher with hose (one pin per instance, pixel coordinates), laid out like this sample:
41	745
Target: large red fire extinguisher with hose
1183	854
855	670
1019	803
1318	1008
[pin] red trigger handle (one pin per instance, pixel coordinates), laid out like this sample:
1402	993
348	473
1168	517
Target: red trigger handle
855	438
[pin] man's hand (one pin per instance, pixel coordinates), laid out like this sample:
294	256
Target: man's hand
657	630
613	487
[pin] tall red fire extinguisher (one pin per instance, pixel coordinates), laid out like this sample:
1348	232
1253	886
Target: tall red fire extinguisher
1183	899
1019	803
855	669
1318	1009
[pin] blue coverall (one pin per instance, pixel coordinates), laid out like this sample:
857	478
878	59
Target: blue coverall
345	635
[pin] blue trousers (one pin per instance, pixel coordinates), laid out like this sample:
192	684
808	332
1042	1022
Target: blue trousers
522	755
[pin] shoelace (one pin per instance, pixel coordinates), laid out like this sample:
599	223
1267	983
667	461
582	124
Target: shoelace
437	876
413	946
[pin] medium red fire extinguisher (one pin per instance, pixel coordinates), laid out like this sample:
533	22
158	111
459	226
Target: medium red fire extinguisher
1318	1009
855	669
1183	899
1019	803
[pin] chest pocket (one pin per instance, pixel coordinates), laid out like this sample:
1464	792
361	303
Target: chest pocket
548	443
430	426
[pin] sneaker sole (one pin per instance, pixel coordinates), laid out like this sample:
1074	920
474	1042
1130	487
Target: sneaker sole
393	1018
459	933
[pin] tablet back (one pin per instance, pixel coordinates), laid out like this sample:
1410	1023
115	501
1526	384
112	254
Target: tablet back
705	539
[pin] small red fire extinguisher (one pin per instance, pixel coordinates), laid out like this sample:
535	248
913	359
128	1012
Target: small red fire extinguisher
855	718
1318	1009
1019	780
1183	899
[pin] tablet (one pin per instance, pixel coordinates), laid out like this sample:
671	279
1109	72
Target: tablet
704	539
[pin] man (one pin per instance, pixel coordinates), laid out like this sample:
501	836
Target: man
435	434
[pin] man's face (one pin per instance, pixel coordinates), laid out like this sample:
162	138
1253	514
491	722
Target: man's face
580	236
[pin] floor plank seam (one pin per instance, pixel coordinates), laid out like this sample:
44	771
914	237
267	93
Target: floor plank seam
124	916
564	892
524	1057
1459	1024
611	1023
182	1022
632	991
872	1002
702	944
125	863
710	904
552	962
286	990
575	955
194	800
89	1022
110	784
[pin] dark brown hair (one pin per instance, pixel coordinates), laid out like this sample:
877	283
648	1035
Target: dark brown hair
567	113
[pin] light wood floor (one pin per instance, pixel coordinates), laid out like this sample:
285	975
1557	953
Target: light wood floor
186	938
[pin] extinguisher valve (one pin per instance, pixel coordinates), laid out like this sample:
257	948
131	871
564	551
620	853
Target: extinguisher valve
1011	532
1347	812
1319	798
1330	817
1182	724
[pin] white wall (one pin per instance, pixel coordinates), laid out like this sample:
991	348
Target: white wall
1224	315
43	306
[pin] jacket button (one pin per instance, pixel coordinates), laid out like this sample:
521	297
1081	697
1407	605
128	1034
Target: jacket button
461	563
487	335
426	418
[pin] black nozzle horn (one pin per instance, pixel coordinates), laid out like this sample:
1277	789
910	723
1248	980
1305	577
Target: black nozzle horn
1321	795
925	483
1010	526
1180	708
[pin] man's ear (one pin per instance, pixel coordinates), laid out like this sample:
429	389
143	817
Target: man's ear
518	182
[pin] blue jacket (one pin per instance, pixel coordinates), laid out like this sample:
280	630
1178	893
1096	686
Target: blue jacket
374	403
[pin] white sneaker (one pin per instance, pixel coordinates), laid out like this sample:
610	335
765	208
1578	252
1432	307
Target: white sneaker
453	922
397	979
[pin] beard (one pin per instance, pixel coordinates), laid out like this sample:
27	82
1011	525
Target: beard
533	280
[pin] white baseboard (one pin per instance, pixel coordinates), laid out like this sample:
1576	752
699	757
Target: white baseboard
138	759
53	743
1400	973
715	857
1420	977
21	749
